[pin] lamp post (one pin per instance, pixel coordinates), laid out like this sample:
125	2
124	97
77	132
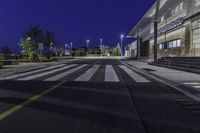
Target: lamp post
122	37
71	43
66	49
87	41
101	45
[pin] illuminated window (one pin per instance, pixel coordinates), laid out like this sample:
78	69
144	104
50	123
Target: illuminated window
162	18
178	43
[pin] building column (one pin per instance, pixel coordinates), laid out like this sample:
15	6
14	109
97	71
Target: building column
156	31
155	41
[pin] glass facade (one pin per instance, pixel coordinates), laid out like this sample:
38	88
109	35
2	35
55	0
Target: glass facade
196	37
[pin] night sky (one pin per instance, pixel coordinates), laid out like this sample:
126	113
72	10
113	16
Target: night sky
71	20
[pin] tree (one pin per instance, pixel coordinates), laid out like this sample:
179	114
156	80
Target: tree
117	50
27	46
35	35
6	52
49	39
32	37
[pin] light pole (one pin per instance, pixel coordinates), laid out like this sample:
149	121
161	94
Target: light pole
71	45
101	45
122	37
66	49
87	41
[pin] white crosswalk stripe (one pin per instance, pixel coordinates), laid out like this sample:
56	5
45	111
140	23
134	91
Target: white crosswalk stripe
197	87
64	74
88	74
192	83
110	74
136	77
31	77
33	72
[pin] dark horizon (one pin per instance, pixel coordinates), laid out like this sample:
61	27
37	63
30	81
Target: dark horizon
71	21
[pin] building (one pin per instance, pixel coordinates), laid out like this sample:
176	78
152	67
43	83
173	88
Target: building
131	50
178	29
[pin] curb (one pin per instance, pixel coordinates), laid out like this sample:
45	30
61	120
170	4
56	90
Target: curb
195	97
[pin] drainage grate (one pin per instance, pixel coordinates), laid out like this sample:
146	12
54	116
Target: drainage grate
147	69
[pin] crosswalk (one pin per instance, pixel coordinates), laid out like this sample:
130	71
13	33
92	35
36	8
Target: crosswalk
134	75
86	72
195	85
110	74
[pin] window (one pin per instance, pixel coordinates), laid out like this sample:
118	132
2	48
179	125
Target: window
177	9
162	18
172	12
178	43
161	46
174	44
170	44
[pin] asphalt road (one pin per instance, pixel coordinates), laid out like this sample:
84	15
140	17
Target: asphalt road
93	96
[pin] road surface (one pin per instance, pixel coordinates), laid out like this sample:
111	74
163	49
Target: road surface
93	96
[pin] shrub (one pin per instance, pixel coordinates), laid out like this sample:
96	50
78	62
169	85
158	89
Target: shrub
1	65
49	55
33	57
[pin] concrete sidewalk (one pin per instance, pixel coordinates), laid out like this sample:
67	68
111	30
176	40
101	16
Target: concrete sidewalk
187	81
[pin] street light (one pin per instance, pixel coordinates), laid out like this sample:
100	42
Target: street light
101	45
122	37
87	41
71	45
28	39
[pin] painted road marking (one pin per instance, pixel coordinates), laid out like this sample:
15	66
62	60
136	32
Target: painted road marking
64	74
88	74
192	83
110	74
28	102
31	77
136	77
32	72
197	87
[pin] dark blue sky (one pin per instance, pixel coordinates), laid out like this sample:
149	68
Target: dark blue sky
71	20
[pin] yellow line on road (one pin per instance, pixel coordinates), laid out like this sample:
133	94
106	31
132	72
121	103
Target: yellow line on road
28	102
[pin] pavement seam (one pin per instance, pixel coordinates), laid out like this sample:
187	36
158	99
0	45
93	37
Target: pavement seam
132	100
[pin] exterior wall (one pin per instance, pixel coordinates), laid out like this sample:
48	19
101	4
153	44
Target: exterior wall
185	35
183	27
170	36
131	49
195	33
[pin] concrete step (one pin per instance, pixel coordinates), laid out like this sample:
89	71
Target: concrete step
176	67
195	66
